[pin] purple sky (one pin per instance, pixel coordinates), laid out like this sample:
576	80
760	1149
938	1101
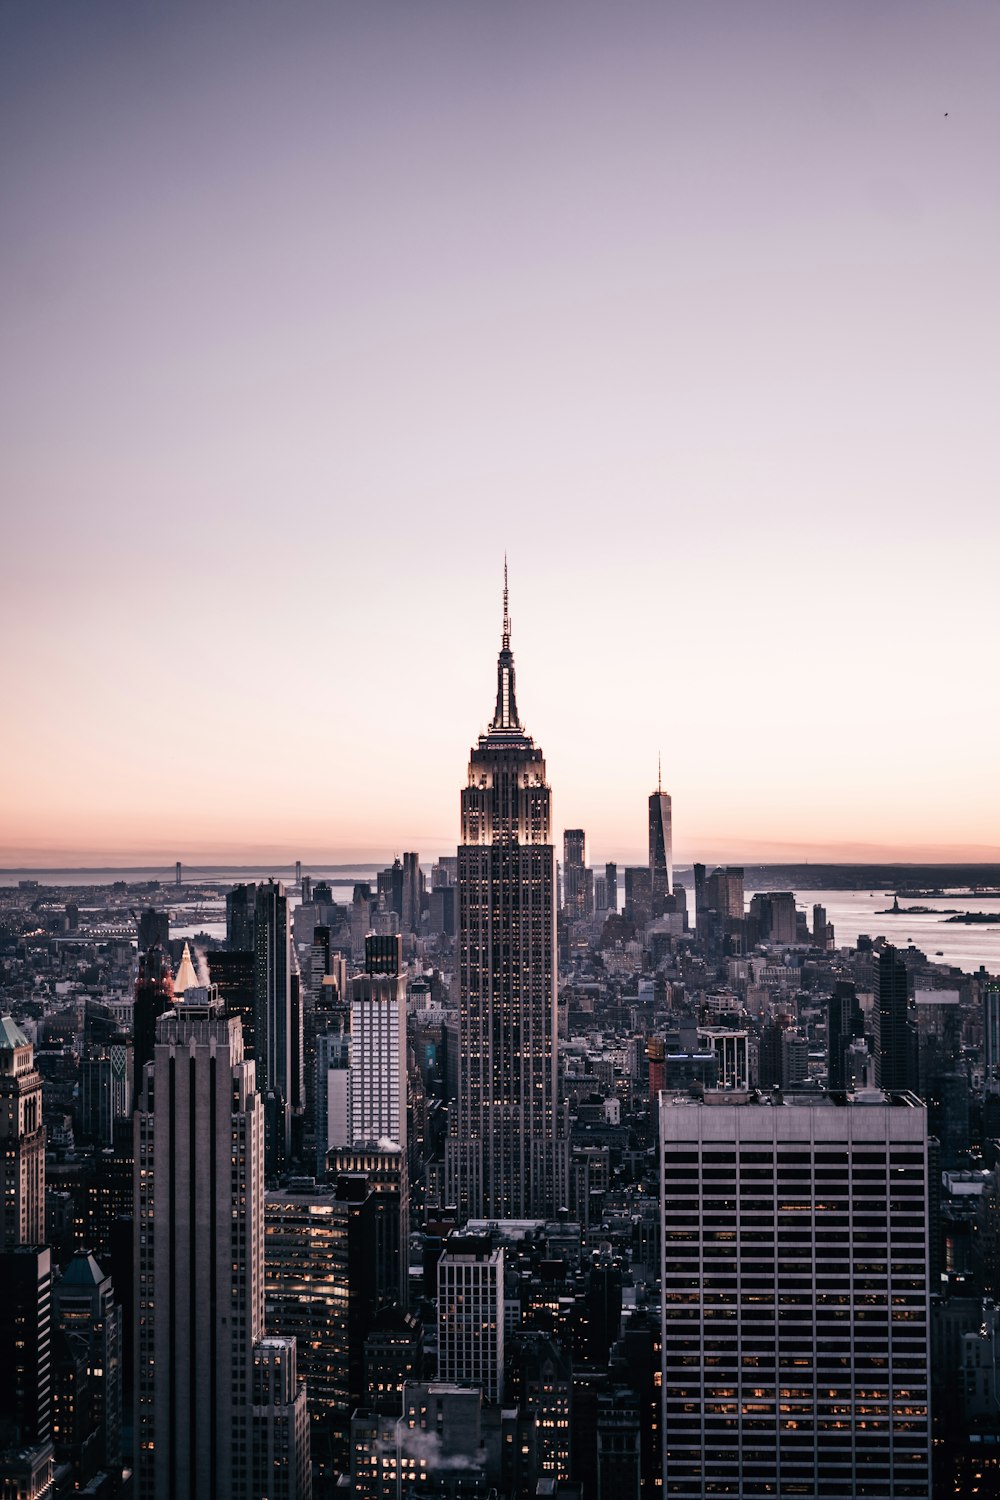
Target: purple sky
308	311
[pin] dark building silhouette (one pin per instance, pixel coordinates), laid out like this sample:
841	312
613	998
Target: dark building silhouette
894	1038
154	927
241	904
25	1366
845	1024
153	993
232	973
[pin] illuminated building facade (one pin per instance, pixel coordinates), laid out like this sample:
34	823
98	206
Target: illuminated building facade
508	1155
795	1296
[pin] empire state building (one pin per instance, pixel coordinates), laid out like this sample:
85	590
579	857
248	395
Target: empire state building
508	1153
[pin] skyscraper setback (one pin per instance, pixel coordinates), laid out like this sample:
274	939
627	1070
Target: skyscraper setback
507	1157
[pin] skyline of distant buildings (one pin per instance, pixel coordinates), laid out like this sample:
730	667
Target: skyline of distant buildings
502	1165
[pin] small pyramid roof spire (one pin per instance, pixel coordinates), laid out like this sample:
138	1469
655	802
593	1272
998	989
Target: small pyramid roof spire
185	978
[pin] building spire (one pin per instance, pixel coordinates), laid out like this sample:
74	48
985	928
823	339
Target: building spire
505	717
506	612
659	772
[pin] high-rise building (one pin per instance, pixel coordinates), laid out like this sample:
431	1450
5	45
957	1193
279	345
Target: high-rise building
991	1037
154	927
106	1089
413	890
85	1309
232	972
274	1048
199	1241
508	1156
661	845
470	1314
241	907
611	876
22	1141
318	1254
773	917
638	894
895	1040
26	1372
795	1296
280	1455
153	993
845	1024
377	1001
574	873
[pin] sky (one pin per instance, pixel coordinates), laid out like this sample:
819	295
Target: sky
309	312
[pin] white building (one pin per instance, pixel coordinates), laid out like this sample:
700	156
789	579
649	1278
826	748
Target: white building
377	1088
471	1314
795	1296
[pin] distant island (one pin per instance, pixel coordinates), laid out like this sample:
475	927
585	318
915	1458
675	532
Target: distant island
974	917
916	911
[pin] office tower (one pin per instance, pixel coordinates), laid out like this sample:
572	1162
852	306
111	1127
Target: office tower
394	1354
541	1385
795	1297
508	1155
232	972
574	873
661	846
845	1024
378	1046
199	1242
384	954
241	909
384	1166
470	1314
279	1458
638	894
154	927
319	1249
794	1060
895	1043
772	917
600	893
656	1056
413	885
177	873
22	1141
377	1101
611	876
298	872
362	913
441	911
273	1040
699	893
991	1037
619	1452
26	1372
106	1089
390	887
732	1055
85	1309
153	994
723	893
333	1097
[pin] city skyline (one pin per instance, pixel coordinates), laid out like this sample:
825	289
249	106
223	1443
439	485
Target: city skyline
696	301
